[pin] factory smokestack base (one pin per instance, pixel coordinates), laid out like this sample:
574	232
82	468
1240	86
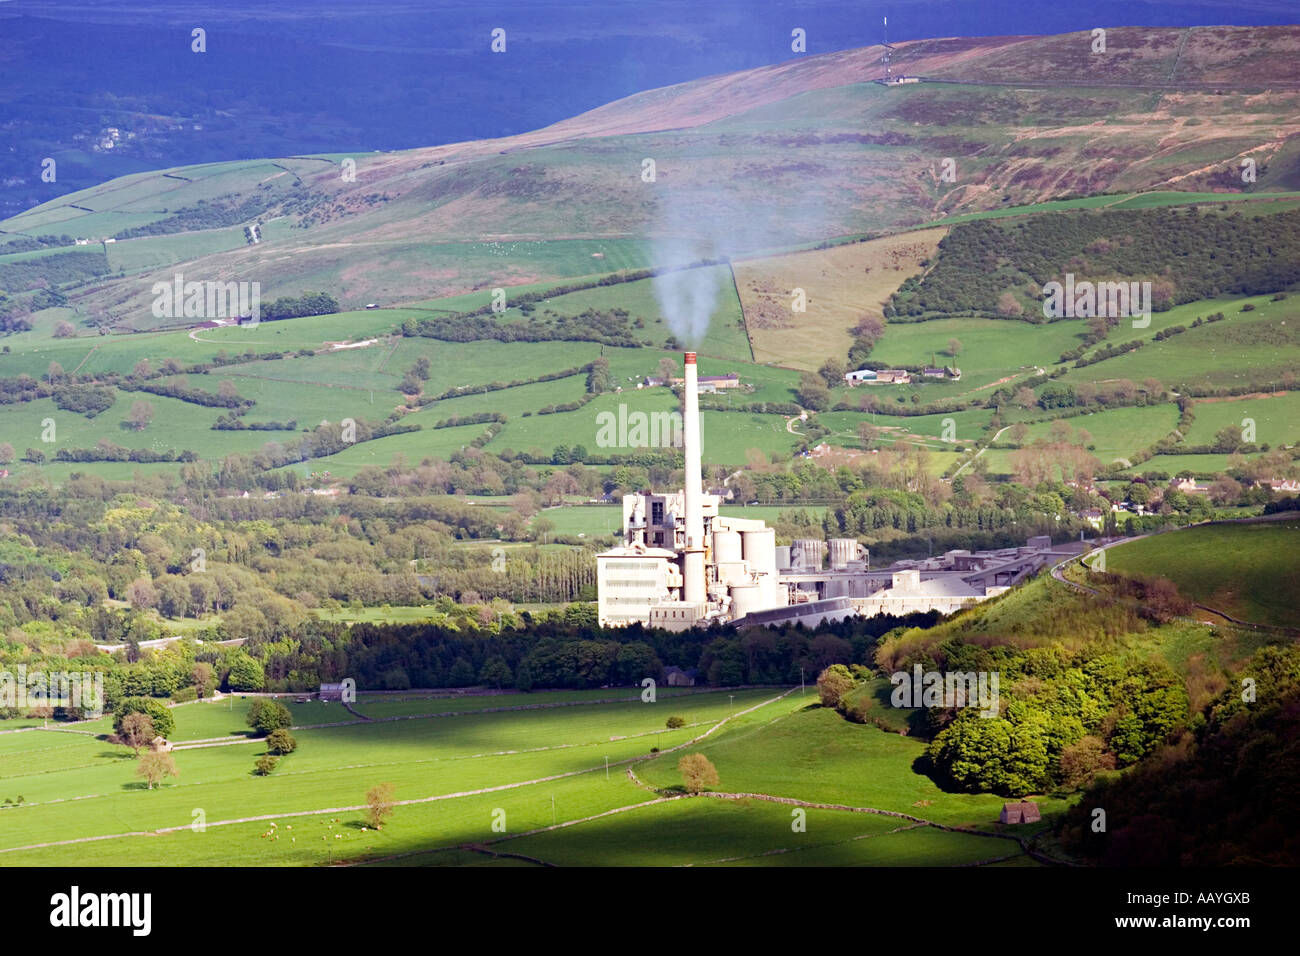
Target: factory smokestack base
694	590
683	564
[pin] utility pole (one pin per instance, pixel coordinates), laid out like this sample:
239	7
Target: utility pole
733	704
800	681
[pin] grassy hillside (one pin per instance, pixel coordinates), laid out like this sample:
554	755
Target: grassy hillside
434	760
1246	570
762	149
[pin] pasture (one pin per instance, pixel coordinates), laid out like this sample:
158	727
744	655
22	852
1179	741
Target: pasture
841	285
1246	569
991	350
1248	348
1115	433
547	791
1199	465
1276	417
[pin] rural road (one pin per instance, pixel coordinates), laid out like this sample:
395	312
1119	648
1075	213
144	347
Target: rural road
164	641
1059	574
980	452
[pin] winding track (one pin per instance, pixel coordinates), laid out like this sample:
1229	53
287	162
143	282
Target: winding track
1058	573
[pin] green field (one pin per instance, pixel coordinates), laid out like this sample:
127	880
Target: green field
1117	433
1246	348
930	429
1247	570
1173	464
1276	418
76	787
1145	200
991	350
176	425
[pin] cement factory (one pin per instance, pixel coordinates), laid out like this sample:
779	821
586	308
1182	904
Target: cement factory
683	565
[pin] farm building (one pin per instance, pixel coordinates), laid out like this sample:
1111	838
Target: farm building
676	677
331	691
861	375
705	383
1024	812
946	371
893	376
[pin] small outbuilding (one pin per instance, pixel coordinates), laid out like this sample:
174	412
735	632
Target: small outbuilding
160	745
676	677
331	691
1024	812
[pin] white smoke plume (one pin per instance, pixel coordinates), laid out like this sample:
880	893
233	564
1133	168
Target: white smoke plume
706	224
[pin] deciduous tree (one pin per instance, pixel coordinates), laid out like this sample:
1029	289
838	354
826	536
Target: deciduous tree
379	804
156	765
833	683
698	772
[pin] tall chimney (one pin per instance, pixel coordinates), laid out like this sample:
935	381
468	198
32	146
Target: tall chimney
693	560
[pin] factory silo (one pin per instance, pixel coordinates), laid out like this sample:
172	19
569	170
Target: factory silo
783	558
727	547
843	552
812	550
728	557
760	555
746	598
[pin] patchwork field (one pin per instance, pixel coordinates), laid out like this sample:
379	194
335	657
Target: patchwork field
927	429
1117	433
1200	465
1248	347
991	350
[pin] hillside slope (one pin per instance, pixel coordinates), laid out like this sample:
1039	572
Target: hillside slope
766	158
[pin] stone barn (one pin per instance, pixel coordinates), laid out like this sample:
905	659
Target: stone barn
1024	812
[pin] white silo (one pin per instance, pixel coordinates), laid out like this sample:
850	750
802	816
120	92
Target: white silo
812	551
760	555
843	551
746	598
783	558
727	547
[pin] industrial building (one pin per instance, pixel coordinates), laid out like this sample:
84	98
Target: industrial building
681	564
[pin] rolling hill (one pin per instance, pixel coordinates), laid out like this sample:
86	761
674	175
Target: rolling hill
787	154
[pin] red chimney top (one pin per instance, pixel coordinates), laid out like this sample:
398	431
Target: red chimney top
690	358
